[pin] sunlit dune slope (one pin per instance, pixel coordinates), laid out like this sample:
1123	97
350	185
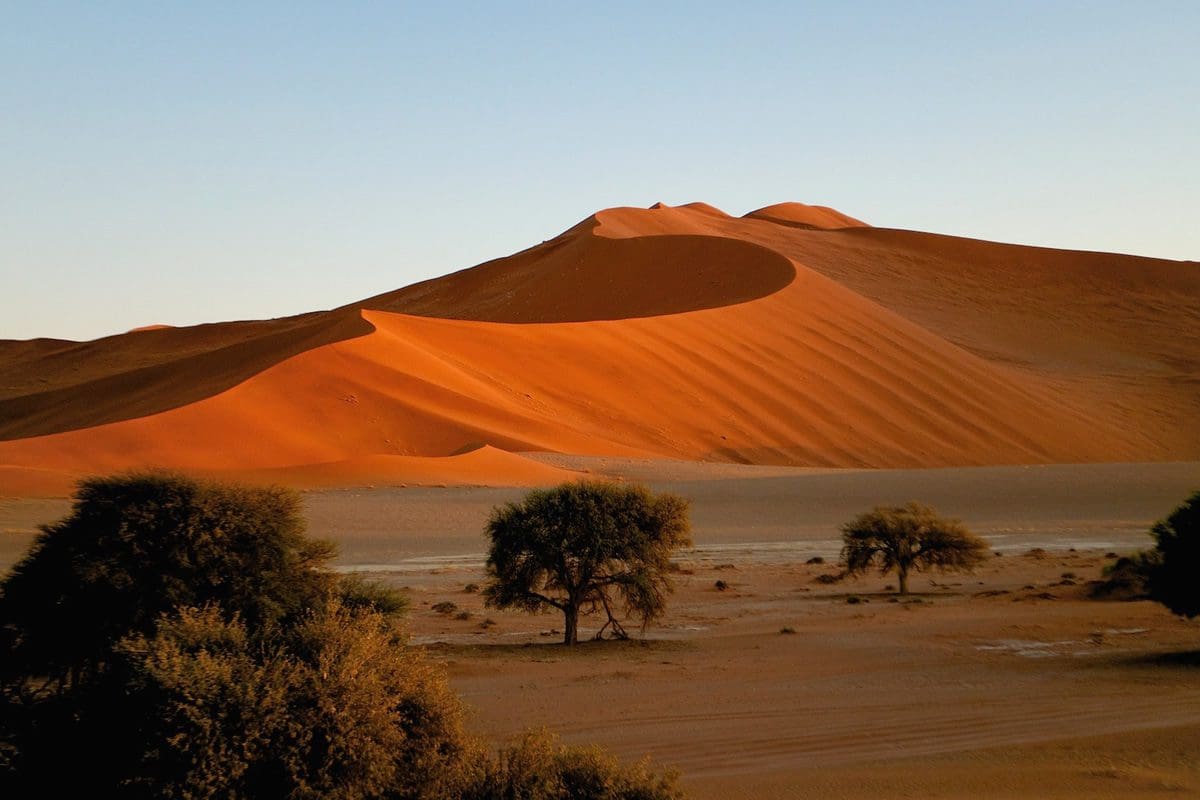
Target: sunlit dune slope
795	335
481	466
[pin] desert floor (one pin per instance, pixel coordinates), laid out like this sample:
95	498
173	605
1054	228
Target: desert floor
1007	683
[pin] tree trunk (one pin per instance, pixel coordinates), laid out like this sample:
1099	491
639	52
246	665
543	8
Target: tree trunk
903	572
571	625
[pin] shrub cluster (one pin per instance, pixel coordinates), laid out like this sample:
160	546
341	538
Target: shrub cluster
178	639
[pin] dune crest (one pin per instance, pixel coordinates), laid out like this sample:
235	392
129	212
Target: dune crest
789	337
818	217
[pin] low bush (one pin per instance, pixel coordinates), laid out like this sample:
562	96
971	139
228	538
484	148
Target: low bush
540	768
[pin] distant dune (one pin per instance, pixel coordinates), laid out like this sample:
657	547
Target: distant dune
795	335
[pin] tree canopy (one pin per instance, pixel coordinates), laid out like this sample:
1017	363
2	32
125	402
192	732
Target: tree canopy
1172	569
334	706
140	545
575	546
906	538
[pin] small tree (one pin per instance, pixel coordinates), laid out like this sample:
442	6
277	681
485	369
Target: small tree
1172	569
570	547
906	538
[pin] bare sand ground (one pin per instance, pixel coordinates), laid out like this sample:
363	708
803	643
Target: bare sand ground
1008	683
957	695
774	513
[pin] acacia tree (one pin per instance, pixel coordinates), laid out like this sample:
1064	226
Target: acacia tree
573	547
1171	568
906	538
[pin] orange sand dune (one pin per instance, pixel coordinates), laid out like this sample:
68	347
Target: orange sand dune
483	466
666	332
48	386
582	276
801	215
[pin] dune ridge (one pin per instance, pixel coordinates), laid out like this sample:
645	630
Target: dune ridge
801	215
794	336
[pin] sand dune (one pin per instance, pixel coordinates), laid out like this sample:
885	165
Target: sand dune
795	335
47	386
801	215
482	466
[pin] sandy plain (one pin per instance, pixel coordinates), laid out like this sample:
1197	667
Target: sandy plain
1006	683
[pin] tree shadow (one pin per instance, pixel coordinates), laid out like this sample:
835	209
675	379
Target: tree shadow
1188	659
554	649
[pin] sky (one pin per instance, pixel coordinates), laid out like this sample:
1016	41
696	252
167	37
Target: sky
177	163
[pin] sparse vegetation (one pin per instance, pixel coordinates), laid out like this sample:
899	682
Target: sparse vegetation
720	586
540	768
224	659
444	607
1166	574
573	547
1172	568
356	592
1124	579
907	538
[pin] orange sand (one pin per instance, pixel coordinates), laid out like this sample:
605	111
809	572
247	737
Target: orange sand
795	335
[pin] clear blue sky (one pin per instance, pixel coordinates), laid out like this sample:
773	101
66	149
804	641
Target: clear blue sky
167	162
